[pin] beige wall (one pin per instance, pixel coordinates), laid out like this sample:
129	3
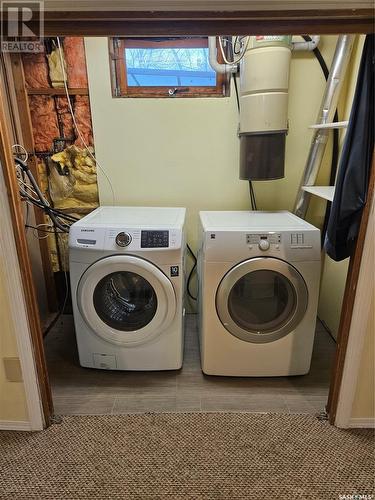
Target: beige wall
12	394
185	151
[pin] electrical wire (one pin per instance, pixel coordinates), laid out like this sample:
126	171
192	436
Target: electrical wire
75	122
15	153
242	51
61	312
191	273
251	186
60	220
252	196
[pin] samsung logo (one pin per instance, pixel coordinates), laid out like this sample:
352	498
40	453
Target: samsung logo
87	230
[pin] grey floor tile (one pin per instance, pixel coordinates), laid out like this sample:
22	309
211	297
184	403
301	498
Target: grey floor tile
83	405
82	390
144	403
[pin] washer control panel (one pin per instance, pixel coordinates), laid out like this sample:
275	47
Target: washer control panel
125	239
154	239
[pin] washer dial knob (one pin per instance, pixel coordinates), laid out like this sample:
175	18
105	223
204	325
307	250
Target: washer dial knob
123	239
264	245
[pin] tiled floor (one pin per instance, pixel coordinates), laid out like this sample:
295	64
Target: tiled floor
78	390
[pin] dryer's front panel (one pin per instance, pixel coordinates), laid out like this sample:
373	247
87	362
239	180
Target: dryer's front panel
261	300
126	300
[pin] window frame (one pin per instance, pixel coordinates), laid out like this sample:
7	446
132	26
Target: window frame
120	87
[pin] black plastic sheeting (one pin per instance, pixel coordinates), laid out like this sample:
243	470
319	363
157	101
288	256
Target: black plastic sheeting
355	164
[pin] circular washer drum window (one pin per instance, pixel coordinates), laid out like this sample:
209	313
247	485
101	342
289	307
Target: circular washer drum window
125	301
262	301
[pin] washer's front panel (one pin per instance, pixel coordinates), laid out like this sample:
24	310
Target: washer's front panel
126	300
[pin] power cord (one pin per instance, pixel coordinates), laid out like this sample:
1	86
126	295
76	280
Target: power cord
191	273
251	186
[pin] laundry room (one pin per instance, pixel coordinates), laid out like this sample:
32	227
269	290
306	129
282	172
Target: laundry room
178	199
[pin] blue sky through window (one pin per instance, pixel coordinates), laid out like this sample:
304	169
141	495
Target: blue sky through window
175	67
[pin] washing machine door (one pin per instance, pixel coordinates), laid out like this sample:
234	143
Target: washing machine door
126	300
261	300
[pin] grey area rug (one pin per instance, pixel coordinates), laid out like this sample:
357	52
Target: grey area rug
187	456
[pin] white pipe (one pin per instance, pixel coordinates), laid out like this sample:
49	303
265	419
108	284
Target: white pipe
212	59
310	46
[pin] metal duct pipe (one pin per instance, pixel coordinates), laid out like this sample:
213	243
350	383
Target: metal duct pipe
212	59
326	113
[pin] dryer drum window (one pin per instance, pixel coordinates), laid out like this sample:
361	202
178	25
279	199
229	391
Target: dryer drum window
125	301
262	301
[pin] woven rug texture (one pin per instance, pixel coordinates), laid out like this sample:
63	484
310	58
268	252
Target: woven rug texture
187	456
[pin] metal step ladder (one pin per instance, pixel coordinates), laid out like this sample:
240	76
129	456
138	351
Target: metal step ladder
324	124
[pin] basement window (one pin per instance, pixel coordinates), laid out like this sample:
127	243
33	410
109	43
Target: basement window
164	67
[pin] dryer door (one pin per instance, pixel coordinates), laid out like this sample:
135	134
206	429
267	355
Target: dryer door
126	300
261	300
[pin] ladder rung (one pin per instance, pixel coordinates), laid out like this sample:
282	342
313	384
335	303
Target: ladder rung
330	125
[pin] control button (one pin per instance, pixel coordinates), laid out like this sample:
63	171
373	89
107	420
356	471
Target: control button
263	245
123	239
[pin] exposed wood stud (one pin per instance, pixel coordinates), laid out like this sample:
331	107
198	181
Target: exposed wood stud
28	143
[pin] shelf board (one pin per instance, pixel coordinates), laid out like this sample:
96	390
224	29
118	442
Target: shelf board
57	91
330	125
325	192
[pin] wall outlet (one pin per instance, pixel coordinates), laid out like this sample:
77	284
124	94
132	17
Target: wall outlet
12	368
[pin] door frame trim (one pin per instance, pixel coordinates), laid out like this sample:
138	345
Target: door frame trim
105	23
22	303
346	365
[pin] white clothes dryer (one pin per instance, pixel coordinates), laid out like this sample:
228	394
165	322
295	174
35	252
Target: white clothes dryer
258	275
127	284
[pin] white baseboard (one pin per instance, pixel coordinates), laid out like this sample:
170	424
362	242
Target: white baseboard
14	425
365	423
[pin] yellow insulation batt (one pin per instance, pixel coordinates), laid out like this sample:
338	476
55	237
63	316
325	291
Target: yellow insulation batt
75	193
83	189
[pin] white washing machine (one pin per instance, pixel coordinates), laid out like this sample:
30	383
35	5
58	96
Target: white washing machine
258	278
127	282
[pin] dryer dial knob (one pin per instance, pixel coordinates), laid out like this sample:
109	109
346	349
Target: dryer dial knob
123	239
264	245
